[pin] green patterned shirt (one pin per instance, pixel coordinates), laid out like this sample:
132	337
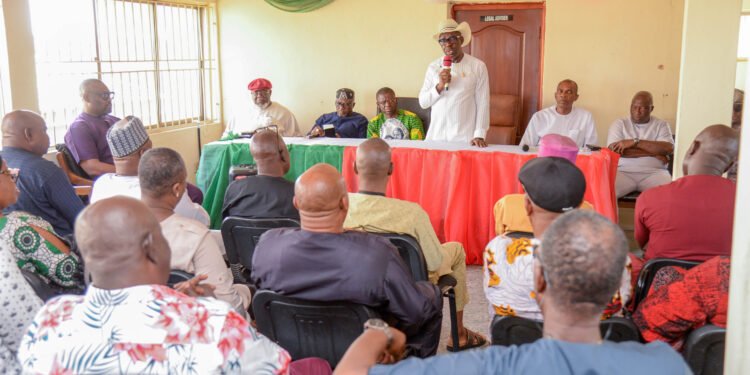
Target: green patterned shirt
407	126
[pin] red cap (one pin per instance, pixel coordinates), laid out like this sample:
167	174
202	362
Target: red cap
259	84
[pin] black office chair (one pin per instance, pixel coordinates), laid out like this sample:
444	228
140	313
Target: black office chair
412	105
648	272
411	252
240	237
517	234
178	276
514	330
704	350
42	289
310	329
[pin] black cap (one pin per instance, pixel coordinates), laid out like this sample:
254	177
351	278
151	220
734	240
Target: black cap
552	183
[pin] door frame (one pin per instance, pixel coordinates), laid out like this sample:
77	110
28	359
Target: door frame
454	6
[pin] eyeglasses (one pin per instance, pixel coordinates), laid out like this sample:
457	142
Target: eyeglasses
12	173
109	95
344	104
261	92
450	39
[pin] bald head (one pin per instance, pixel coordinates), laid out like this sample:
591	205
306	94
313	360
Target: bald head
713	151
25	130
97	99
373	159
641	107
270	153
119	258
320	196
583	257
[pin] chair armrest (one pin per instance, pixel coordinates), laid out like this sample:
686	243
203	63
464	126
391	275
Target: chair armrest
82	190
446	283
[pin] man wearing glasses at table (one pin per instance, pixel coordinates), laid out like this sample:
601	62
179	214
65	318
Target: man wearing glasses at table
87	135
456	86
263	112
344	123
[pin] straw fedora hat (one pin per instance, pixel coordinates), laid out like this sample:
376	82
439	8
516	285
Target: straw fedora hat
450	25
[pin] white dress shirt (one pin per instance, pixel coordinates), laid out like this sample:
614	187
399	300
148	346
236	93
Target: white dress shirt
462	112
251	117
578	125
654	130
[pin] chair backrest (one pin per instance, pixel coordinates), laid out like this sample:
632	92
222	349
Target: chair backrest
178	276
43	290
241	235
411	252
505	118
310	329
517	234
412	105
704	350
513	330
67	162
649	270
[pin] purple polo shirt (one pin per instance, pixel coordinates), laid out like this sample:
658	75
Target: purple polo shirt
87	138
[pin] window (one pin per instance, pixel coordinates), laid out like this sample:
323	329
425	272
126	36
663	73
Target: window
158	57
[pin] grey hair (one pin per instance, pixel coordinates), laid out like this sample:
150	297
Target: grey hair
159	169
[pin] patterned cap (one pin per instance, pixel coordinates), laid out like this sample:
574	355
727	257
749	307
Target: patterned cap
345	94
126	136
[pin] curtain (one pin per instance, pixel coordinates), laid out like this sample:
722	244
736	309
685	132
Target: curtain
298	6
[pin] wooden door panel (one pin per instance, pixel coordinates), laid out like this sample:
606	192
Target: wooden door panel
504	44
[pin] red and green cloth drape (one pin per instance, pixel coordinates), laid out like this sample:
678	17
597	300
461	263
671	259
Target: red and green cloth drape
458	189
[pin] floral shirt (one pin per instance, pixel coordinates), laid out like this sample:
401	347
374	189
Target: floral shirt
146	329
34	253
509	280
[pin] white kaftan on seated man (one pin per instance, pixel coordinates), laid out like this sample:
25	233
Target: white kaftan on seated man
578	125
145	329
251	117
462	112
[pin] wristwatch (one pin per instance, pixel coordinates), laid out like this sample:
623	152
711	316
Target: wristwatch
636	140
382	326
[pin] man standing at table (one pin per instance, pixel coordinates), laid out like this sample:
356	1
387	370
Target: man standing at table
459	94
562	118
263	112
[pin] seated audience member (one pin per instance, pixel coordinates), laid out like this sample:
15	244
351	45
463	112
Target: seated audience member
562	118
510	213
263	112
45	190
644	143
692	217
696	297
553	186
162	174
346	123
128	141
268	194
322	262
128	321
33	242
576	271
391	122
737	103
372	211
18	304
86	137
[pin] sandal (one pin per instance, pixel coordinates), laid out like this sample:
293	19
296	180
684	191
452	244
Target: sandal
473	340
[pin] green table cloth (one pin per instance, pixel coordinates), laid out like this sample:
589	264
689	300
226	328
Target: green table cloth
218	157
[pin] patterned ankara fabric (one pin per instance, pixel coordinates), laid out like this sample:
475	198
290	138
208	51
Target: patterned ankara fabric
34	253
694	298
509	280
406	125
145	329
18	304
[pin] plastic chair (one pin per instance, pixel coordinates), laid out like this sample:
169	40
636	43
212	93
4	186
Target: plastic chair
704	350
411	252
43	290
648	272
310	329
240	237
514	330
178	276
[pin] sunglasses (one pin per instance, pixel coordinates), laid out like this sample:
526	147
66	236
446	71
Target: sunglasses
450	39
12	173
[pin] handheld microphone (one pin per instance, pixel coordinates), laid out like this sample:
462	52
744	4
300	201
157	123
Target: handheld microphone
525	148
447	62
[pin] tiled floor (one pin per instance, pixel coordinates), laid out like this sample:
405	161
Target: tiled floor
476	316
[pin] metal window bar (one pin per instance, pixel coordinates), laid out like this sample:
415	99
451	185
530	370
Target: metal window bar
158	56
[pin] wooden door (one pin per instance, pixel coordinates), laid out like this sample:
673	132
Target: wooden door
509	39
